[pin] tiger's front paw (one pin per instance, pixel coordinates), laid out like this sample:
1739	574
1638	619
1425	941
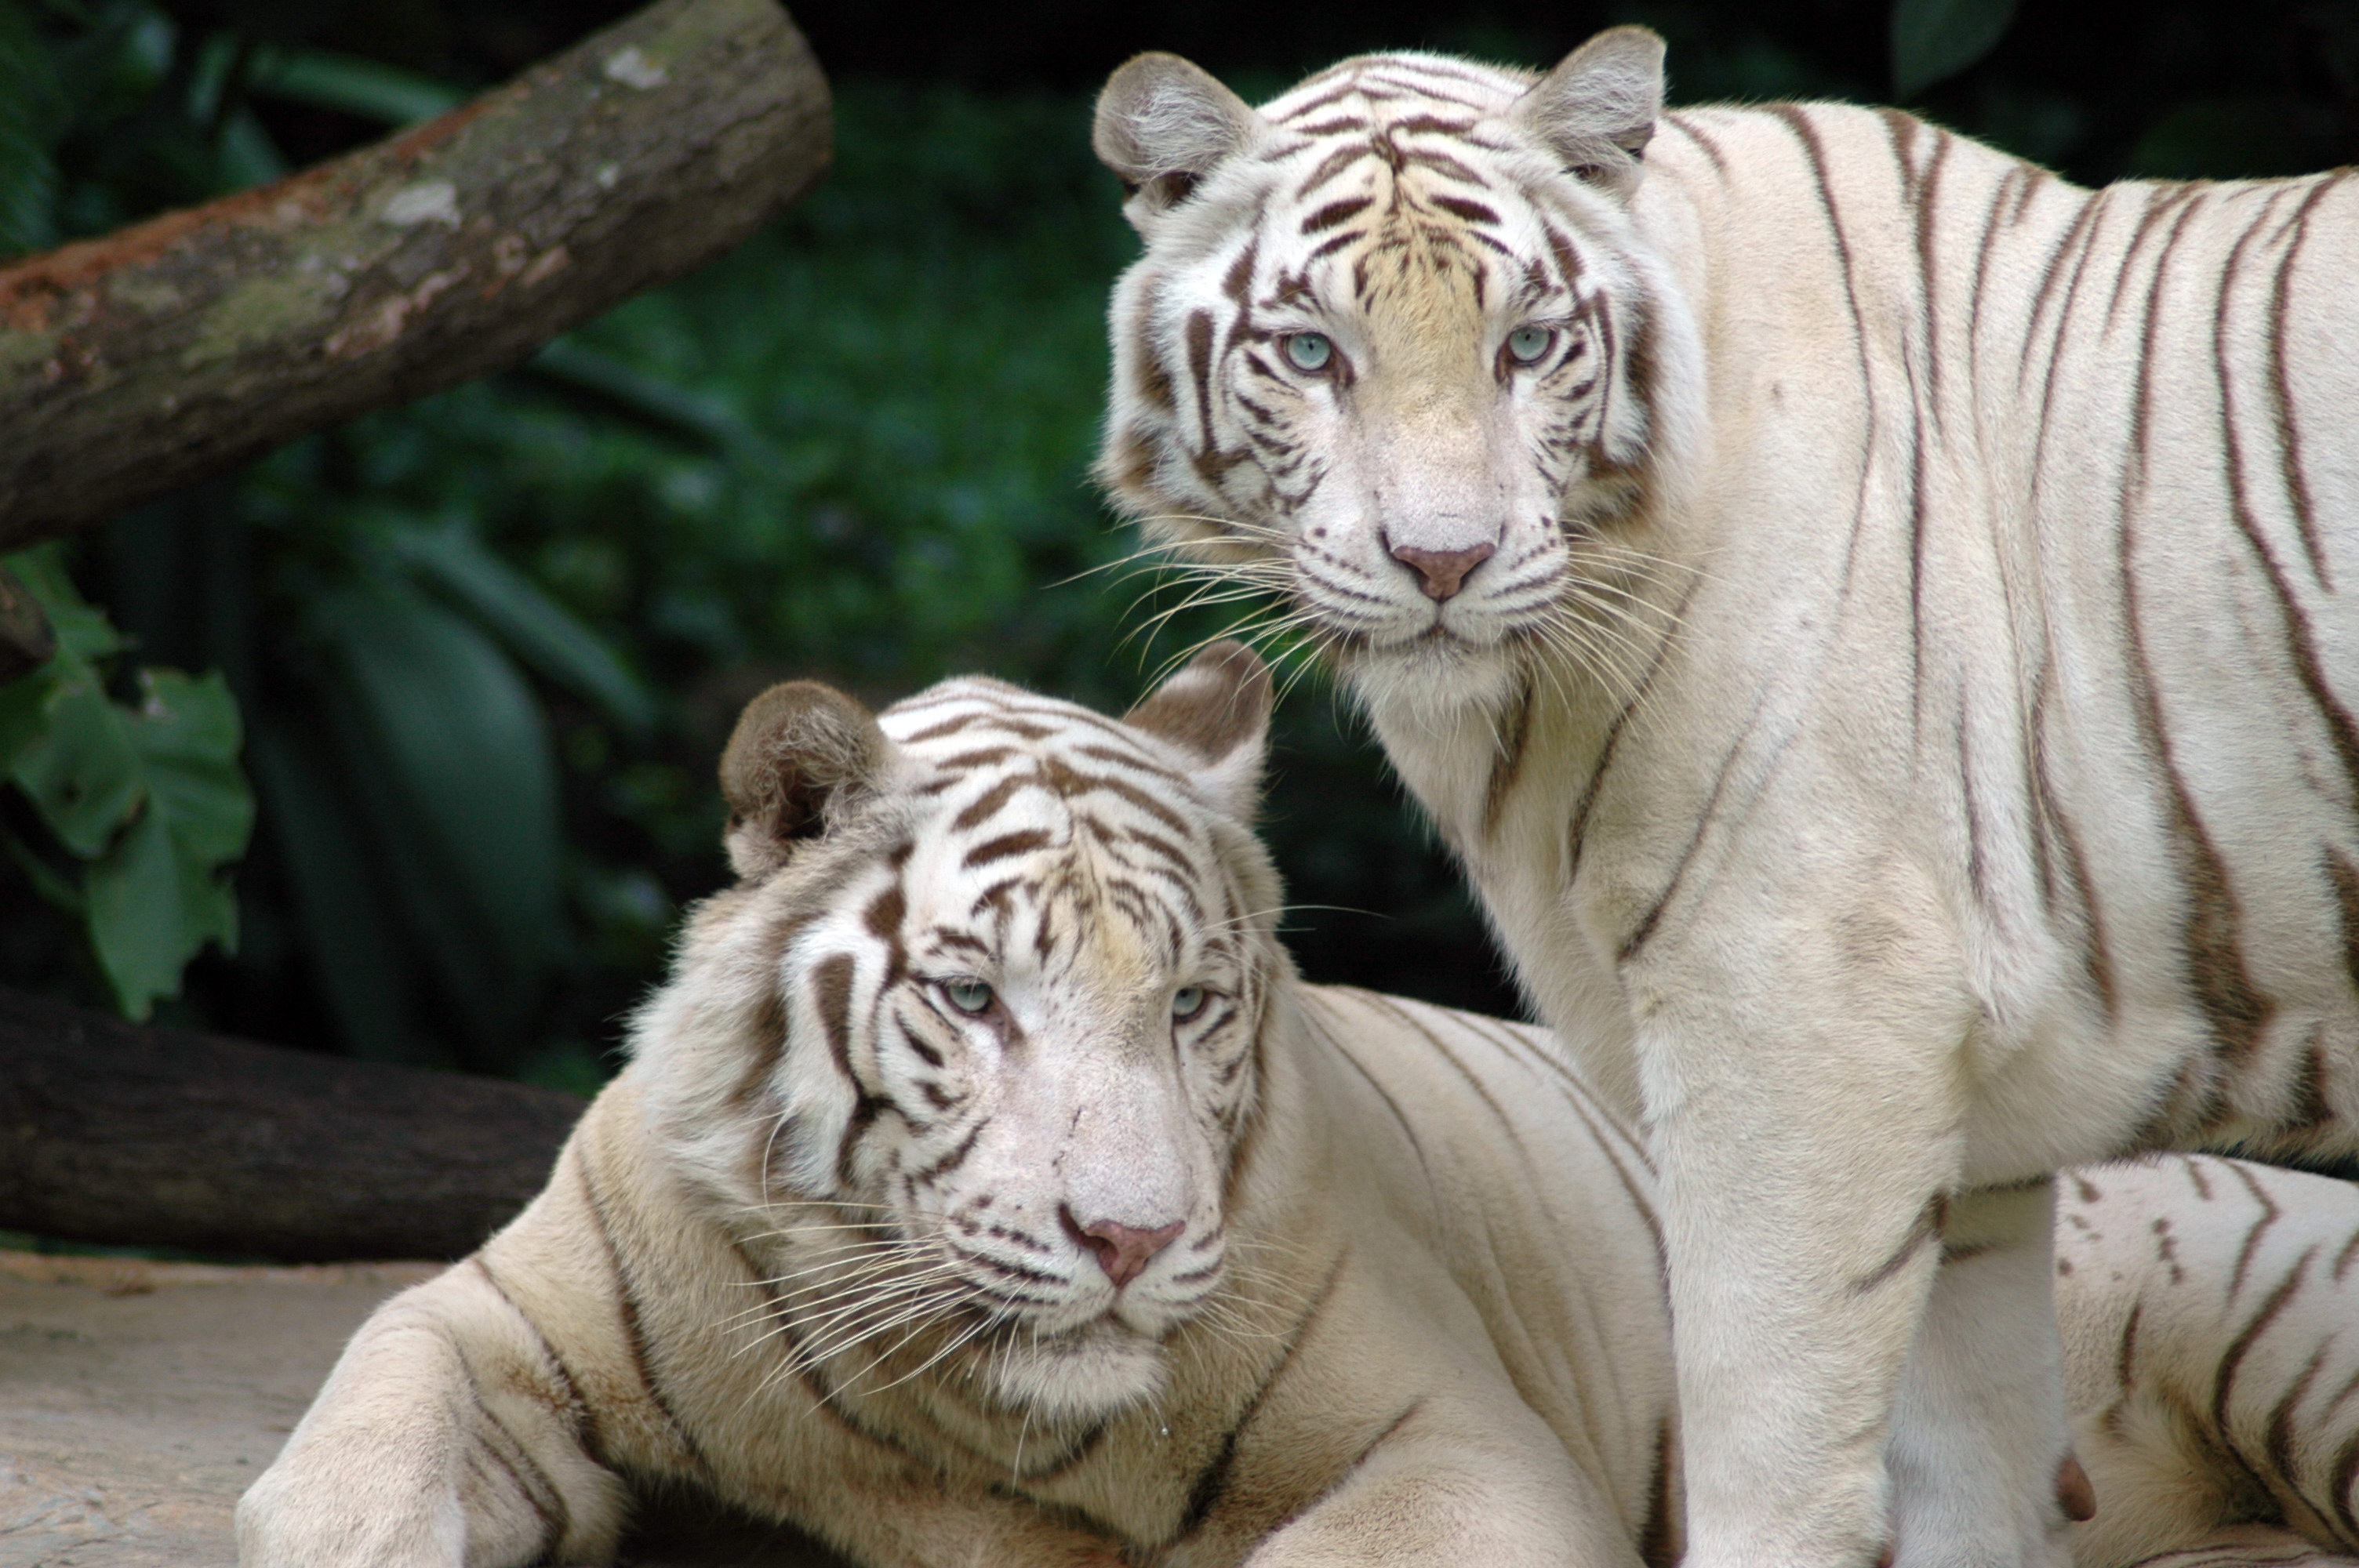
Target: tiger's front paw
288	1520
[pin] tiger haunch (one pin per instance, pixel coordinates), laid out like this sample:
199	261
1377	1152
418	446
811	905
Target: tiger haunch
1868	614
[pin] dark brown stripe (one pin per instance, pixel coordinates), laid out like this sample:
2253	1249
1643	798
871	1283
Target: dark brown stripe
1644	931
1473	212
1659	1539
1705	145
2212	942
1576	836
1212	1481
984	806
1926	1229
2270	1213
2224	1382
1507	763
584	1419
832	991
2278	1443
1005	846
953	1159
2125	1352
515	1459
1797	121
2281	390
1334	213
2301	645
635	1339
2096	956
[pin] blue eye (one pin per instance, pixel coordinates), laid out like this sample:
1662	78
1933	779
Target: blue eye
968	996
1525	345
1308	351
1187	1003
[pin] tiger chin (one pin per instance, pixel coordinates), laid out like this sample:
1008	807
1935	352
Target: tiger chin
985	1190
1873	620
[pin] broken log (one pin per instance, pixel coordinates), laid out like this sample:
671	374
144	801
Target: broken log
114	1133
137	362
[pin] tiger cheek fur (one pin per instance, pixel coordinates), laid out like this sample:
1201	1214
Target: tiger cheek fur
1868	614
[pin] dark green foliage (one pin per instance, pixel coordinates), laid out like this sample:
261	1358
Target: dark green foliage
142	802
485	648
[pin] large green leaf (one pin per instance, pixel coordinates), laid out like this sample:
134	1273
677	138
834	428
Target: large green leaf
188	734
450	747
24	713
1932	40
81	629
541	630
152	906
81	772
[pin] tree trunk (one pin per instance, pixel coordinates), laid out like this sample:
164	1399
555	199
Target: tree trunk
130	1136
138	363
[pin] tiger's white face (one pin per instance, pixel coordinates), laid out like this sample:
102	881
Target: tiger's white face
1382	356
1020	998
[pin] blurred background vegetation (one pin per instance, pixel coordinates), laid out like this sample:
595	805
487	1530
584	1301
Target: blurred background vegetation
475	656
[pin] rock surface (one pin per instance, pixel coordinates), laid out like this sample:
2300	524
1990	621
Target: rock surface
137	1400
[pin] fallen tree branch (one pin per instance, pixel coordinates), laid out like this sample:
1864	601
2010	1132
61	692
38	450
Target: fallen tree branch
138	363
129	1136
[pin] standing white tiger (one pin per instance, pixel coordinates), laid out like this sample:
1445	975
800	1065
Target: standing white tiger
1869	616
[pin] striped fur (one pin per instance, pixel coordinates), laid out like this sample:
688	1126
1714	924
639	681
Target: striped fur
1881	656
1419	1319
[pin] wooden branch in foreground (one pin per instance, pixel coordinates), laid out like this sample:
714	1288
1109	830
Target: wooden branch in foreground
138	363
114	1133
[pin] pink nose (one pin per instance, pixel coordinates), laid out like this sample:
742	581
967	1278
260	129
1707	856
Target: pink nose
1441	572
1122	1250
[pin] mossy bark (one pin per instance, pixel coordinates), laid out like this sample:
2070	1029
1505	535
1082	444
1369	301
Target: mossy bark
138	363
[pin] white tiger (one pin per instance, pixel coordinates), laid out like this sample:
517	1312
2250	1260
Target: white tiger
1868	614
985	1190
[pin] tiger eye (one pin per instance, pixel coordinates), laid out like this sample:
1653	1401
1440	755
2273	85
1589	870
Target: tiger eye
1525	345
1308	351
1187	1003
968	996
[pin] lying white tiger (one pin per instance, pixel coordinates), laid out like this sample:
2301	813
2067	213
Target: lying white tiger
1868	614
986	1190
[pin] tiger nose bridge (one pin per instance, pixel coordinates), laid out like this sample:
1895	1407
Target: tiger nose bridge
1129	1180
1439	503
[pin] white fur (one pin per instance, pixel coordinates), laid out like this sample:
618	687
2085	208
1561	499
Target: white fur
1914	658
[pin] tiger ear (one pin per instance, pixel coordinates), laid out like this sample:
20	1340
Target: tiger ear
1596	111
802	751
1216	709
1164	124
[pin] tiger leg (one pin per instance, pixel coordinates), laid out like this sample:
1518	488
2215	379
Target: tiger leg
1454	1486
1802	1228
445	1436
2207	1307
1978	1432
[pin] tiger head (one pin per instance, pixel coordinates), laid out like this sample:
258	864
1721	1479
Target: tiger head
1394	349
965	1055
